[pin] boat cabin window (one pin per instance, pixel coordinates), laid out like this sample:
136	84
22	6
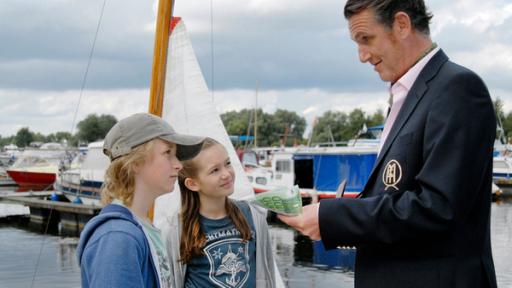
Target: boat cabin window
283	166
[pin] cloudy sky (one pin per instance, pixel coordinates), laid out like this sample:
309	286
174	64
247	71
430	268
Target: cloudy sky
298	50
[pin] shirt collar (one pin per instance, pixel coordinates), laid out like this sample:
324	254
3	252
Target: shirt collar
404	84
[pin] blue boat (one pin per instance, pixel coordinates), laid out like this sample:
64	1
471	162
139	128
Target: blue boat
320	171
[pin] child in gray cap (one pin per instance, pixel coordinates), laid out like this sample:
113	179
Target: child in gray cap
120	247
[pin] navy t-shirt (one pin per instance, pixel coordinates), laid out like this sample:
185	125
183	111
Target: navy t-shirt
227	260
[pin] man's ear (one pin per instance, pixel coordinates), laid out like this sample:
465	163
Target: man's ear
191	184
402	26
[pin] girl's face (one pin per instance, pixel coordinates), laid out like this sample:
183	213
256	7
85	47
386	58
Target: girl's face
215	175
160	171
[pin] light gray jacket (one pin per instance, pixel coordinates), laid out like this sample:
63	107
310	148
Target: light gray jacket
265	269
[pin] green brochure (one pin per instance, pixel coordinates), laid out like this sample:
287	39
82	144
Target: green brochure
282	200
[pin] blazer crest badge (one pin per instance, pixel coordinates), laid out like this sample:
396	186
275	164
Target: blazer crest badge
392	174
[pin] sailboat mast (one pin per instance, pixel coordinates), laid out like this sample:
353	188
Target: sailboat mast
157	88
256	116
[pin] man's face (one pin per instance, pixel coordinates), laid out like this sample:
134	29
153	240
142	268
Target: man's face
378	45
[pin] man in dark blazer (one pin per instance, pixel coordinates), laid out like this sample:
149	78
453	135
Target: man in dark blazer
422	220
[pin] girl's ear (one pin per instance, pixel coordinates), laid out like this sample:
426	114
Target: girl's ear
191	184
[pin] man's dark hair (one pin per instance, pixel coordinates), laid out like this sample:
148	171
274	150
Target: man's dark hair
385	11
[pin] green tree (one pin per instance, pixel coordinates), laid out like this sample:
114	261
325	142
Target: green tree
94	128
503	122
271	127
376	119
236	122
329	127
39	137
59	137
291	125
23	137
356	120
6	141
268	131
498	108
507	124
340	127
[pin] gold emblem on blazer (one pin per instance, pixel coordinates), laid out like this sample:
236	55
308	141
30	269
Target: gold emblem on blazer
392	174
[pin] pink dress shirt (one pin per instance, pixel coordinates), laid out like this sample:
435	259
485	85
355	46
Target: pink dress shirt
399	90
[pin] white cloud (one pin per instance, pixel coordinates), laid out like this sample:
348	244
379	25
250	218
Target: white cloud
492	57
482	15
299	51
51	111
478	15
311	110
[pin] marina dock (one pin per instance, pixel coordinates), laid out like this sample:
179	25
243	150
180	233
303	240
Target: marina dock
51	211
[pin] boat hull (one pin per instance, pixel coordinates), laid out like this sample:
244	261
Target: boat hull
89	192
32	180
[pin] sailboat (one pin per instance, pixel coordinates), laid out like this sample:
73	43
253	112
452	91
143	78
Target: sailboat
189	107
187	104
179	95
184	101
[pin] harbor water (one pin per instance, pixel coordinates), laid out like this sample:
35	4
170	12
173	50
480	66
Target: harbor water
33	259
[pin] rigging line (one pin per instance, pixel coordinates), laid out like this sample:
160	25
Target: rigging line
72	128
212	52
84	80
44	240
41	248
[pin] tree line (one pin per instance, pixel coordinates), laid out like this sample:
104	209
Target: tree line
282	127
287	127
504	120
92	128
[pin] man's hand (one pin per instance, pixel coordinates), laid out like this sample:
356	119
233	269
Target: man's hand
306	223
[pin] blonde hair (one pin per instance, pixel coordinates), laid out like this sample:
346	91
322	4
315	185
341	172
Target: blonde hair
192	238
120	175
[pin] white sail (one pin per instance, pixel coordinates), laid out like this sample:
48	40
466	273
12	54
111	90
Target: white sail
189	108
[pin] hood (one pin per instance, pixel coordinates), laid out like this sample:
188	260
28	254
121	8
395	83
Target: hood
108	213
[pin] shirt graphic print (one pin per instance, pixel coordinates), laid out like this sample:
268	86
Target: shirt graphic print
229	262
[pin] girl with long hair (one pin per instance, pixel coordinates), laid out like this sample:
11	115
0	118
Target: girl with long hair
215	241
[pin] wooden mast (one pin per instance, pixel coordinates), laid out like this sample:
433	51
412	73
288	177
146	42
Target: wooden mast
157	88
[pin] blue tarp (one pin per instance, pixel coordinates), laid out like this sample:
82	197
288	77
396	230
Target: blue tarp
378	127
344	258
241	138
330	170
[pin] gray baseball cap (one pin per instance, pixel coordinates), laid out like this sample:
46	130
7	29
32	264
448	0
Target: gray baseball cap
140	128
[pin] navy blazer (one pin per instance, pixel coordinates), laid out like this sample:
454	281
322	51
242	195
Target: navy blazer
423	218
